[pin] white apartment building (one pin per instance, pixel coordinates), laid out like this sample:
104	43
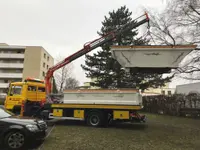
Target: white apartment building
20	62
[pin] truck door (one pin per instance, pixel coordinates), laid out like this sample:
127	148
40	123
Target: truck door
31	93
41	93
14	96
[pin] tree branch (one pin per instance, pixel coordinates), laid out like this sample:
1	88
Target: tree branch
194	9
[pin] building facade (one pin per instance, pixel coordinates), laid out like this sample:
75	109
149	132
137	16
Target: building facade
165	90
87	85
20	62
188	88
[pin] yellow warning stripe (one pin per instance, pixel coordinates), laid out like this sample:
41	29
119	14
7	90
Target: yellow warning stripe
96	106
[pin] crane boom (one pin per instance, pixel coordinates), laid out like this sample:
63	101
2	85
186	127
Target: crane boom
91	46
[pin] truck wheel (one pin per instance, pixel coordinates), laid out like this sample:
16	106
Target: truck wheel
95	119
16	110
14	140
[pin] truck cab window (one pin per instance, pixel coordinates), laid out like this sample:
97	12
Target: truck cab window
31	88
41	89
16	90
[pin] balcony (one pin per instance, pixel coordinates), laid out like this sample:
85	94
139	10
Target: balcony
2	96
4	85
11	56
11	75
12	65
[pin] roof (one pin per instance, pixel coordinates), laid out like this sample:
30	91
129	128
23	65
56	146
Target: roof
29	83
12	47
187	84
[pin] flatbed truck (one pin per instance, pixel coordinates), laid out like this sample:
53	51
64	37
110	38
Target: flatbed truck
100	106
97	107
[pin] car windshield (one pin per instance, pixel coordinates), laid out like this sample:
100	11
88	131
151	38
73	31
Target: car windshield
5	113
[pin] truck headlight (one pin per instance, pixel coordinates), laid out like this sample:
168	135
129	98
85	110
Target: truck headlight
32	128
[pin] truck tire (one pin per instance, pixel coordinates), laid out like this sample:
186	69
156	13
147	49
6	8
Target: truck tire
16	109
45	115
95	119
14	140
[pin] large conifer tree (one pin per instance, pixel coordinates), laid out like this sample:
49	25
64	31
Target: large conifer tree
106	70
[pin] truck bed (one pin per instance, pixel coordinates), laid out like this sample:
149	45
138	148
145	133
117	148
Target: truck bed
151	58
107	97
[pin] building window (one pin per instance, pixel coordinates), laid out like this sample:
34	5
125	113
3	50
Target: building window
43	73
47	66
44	65
169	92
44	55
19	61
19	51
16	80
48	58
18	71
163	92
5	81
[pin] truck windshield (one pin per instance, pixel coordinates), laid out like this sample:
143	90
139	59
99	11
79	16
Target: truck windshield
5	113
15	90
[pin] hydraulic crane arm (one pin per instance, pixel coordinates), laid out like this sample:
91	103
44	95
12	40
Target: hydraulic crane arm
93	45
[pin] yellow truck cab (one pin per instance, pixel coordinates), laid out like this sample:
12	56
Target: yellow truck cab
31	89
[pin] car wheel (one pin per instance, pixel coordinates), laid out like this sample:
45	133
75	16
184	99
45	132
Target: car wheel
94	119
14	140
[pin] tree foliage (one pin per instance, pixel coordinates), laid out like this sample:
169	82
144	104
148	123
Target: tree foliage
106	70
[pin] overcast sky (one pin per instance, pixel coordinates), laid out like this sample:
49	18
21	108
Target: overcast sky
61	26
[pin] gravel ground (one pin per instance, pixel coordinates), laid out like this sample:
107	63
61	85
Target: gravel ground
158	133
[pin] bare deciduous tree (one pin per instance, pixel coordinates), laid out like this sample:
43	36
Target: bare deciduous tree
62	74
162	29
71	83
179	23
186	15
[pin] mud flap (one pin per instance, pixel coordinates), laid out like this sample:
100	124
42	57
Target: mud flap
135	117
